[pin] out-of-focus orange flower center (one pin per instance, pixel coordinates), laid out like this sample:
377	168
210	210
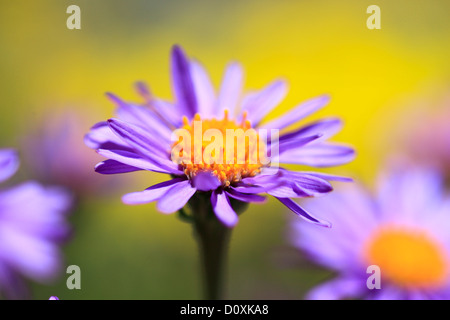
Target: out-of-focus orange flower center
229	150
407	257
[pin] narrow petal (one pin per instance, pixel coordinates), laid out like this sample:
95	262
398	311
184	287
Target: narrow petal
114	167
163	108
249	189
153	193
168	111
293	206
141	116
145	144
223	210
176	197
319	155
102	137
260	183
9	163
296	188
264	179
138	138
204	89
298	185
313	184
340	288
135	160
231	88
325	127
286	191
260	104
328	177
245	197
297	113
295	143
182	83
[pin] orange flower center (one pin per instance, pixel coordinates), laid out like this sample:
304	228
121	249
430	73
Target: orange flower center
229	150
408	258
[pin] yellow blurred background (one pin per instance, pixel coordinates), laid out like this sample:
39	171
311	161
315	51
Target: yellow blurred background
133	252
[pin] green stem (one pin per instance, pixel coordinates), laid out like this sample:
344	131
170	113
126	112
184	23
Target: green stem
213	239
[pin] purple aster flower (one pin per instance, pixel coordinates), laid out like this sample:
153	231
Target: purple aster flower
140	138
54	156
403	229
32	224
53	298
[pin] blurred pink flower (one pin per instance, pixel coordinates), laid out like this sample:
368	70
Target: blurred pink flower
427	137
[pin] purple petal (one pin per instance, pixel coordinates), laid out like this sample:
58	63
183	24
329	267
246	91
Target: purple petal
313	185
204	90
206	181
393	293
153	193
402	180
325	127
264	179
337	289
260	104
231	89
223	210
319	155
143	90
297	189
176	197
33	222
298	113
134	160
259	184
138	138
102	137
293	206
168	111
9	163
295	185
145	144
163	108
143	117
33	256
249	189
328	177
244	197
182	83
295	143
114	167
36	210
288	190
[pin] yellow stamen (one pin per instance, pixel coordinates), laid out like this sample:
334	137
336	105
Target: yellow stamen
407	257
240	162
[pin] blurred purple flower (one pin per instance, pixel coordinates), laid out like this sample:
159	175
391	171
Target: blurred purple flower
55	156
403	229
32	225
140	139
53	298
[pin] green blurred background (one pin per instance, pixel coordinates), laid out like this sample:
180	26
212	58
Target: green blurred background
133	252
